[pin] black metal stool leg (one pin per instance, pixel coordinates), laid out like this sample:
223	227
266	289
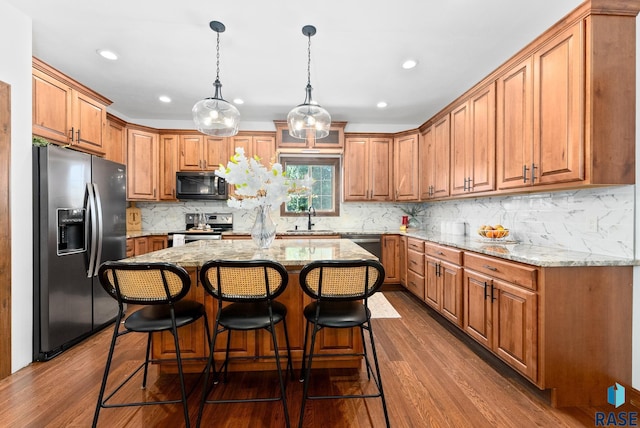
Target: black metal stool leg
174	332
307	375
283	390
106	369
378	376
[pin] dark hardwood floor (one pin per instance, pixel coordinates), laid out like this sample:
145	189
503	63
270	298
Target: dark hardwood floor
433	377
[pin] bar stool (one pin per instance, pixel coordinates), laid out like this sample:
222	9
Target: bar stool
160	288
340	289
251	287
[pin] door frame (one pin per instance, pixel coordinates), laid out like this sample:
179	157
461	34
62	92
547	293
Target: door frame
5	230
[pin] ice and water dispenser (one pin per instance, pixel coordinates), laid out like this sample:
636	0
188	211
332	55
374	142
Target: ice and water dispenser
71	231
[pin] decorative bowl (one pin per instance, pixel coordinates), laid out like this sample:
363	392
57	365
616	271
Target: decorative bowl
493	234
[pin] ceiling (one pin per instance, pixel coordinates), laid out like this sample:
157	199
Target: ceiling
167	48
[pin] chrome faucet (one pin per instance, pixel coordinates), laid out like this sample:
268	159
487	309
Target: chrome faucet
309	214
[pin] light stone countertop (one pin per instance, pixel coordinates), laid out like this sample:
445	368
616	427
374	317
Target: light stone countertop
289	252
524	253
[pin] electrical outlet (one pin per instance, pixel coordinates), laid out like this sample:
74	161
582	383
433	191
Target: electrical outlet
592	224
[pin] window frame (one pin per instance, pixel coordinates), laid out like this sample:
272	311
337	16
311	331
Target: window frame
335	161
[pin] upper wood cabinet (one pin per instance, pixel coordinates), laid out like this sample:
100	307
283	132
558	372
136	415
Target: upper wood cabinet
262	145
406	167
544	91
67	113
168	158
199	152
368	169
142	165
335	139
563	118
115	147
473	143
434	160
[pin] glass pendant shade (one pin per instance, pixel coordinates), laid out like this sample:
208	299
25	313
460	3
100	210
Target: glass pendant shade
215	116
309	120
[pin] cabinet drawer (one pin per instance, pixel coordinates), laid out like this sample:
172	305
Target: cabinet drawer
525	276
415	244
415	284
415	261
443	253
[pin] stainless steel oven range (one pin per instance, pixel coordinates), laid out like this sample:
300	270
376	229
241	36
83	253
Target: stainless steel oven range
200	226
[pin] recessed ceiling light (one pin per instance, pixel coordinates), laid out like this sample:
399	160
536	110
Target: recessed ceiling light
381	104
238	101
104	53
410	63
164	99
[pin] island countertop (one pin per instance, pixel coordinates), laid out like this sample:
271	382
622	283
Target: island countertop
289	252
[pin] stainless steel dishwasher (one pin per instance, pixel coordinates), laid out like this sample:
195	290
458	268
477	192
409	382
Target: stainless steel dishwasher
370	242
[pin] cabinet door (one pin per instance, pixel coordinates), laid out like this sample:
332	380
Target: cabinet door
482	158
168	166
461	147
426	163
216	152
478	310
406	168
402	260
140	246
432	286
191	156
265	148
515	332
380	169
157	243
142	165
51	108
514	136
90	118
390	248
115	141
441	150
356	169
450	277
558	140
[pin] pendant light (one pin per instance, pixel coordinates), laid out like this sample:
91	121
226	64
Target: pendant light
309	120
215	116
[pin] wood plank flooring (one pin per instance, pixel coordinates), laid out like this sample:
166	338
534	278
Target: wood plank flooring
432	374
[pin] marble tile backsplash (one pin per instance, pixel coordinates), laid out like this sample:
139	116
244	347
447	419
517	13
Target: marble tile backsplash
597	220
591	220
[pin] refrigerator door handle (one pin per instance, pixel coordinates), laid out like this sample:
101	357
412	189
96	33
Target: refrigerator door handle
100	233
92	214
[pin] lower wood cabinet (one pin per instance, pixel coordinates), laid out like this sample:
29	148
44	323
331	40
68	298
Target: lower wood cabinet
565	328
443	281
390	259
415	267
402	261
145	244
501	315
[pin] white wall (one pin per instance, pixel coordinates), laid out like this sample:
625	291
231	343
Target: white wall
15	69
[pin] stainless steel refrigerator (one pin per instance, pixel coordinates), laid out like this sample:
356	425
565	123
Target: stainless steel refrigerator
79	221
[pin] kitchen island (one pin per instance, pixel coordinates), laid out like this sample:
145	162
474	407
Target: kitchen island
293	254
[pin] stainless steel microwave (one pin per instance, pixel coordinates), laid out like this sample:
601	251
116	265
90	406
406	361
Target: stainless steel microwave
200	185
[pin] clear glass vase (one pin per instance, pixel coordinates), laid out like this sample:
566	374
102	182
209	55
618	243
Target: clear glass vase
263	231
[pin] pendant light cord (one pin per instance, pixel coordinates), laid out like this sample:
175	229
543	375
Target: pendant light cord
309	62
218	57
